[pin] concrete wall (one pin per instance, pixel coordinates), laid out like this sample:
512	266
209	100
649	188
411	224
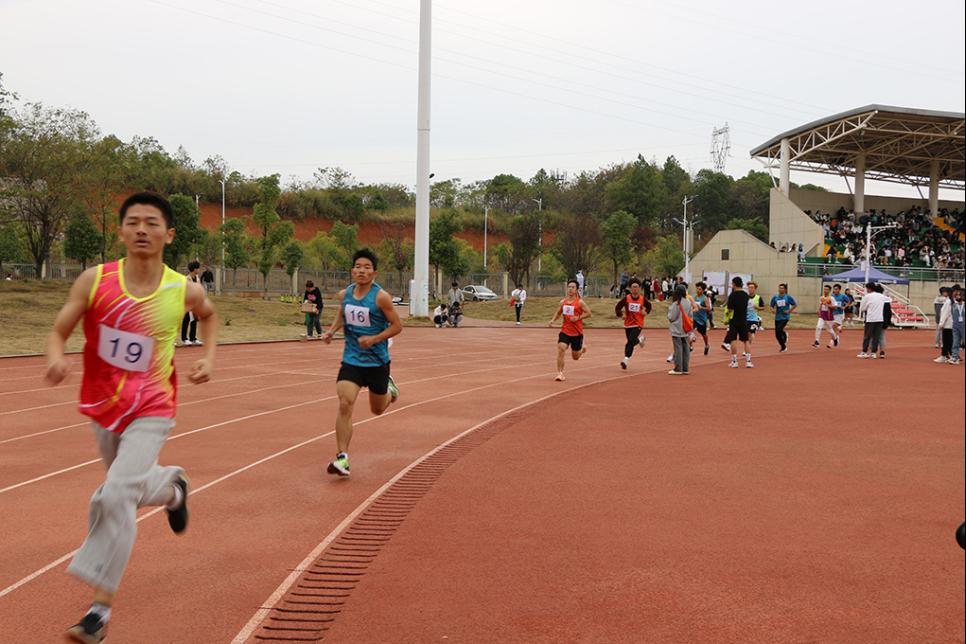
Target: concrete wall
831	201
768	267
787	222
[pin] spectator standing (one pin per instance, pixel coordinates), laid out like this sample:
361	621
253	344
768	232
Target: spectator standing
937	305
208	280
518	297
312	307
680	325
189	324
959	326
580	283
664	287
455	295
873	306
945	323
738	325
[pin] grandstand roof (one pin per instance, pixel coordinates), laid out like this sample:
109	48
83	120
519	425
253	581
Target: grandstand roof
899	144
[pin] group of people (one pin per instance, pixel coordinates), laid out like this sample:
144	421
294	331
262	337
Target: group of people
950	327
915	241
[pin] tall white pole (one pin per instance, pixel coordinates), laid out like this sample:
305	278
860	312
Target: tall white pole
686	245
539	203
486	214
419	289
868	251
221	287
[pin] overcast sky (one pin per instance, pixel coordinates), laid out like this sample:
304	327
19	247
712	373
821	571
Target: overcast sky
291	85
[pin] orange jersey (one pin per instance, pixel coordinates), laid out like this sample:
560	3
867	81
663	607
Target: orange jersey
571	311
634	312
129	349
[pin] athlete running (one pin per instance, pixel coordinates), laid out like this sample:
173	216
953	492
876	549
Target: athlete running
633	307
574	311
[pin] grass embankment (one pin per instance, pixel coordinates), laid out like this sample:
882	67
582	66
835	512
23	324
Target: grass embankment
27	310
541	309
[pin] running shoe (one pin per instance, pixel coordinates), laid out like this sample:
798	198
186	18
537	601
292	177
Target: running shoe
90	630
734	364
706	347
816	344
670	359
623	365
560	377
339	466
835	341
393	390
749	365
881	355
940	360
862	355
674	372
640	340
178	517
953	361
873	356
197	343
726	346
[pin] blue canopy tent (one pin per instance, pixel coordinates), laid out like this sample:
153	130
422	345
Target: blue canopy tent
858	275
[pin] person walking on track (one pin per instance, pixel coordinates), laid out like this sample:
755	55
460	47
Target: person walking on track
367	314
518	297
131	310
680	325
840	302
702	313
826	319
782	305
633	307
574	311
738	324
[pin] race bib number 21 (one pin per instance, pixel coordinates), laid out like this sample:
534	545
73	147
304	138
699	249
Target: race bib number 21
124	350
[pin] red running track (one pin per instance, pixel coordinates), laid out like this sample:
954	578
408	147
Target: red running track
621	511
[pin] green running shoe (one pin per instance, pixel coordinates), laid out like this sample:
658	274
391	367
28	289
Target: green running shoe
339	466
393	390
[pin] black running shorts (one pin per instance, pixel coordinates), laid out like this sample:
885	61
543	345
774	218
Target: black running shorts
737	331
375	378
575	342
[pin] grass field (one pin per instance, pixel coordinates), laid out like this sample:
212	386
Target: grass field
27	310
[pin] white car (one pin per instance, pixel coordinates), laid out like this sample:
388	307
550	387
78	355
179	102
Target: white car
476	293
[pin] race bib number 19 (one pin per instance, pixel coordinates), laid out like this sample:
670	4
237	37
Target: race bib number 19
357	315
128	351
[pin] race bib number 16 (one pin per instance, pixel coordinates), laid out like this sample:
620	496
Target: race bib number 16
128	351
357	315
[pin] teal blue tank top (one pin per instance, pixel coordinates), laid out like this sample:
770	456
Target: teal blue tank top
363	317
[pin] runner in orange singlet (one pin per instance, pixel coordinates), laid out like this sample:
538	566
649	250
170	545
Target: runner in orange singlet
574	312
633	307
132	311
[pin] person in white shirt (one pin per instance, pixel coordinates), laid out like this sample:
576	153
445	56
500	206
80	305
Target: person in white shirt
937	306
580	283
873	305
945	323
519	298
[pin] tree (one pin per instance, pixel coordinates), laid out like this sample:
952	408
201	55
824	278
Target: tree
666	258
577	244
292	255
346	236
103	180
325	252
186	232
523	247
237	254
273	232
82	240
640	191
712	199
396	249
443	251
753	226
11	245
616	234
42	157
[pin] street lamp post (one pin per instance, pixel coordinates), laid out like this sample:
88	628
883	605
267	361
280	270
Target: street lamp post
685	242
221	270
870	232
539	203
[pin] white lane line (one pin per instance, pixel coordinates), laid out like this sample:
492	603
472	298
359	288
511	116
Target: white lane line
266	606
249	417
60	560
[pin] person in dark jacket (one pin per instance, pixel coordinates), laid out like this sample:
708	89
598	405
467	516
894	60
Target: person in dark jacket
313	320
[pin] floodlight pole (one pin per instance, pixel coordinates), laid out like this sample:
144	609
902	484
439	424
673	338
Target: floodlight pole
869	234
486	215
221	271
539	203
419	288
687	249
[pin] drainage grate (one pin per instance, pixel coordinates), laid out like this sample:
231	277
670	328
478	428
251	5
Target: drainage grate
311	605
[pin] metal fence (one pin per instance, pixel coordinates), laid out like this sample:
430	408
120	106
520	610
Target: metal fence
810	269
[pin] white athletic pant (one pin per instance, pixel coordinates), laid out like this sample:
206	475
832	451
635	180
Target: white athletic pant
134	480
824	325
